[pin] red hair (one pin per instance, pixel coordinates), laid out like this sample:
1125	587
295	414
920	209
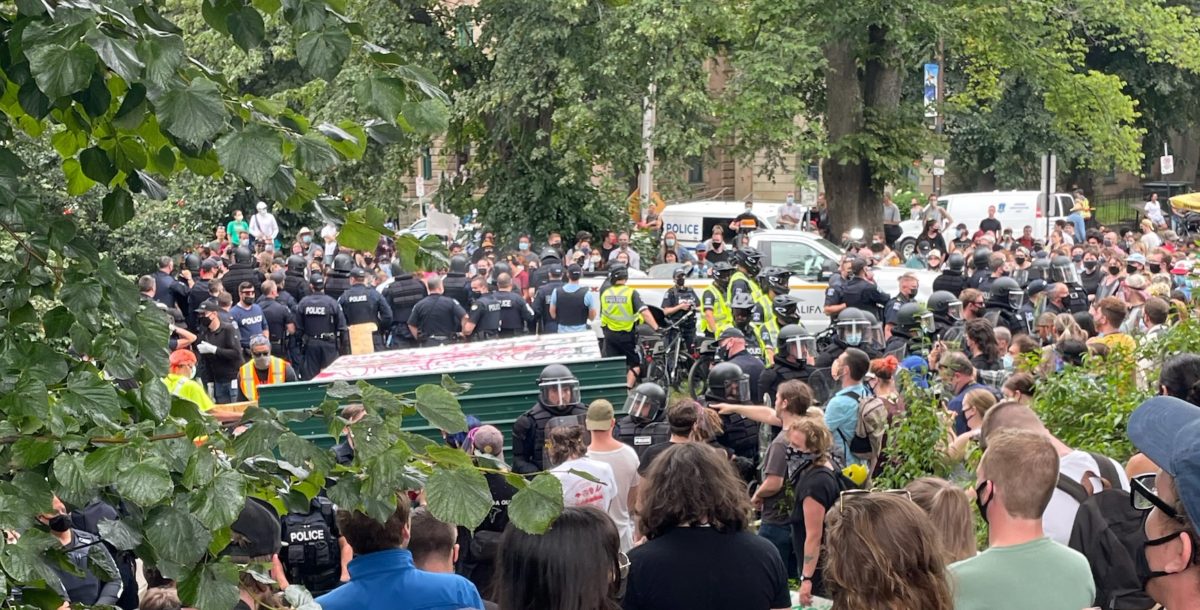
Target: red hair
885	367
182	357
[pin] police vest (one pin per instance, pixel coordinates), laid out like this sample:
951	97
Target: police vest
740	432
541	415
238	274
319	314
642	436
722	317
755	290
509	304
755	347
338	282
295	284
248	377
402	295
616	309
571	307
457	287
357	306
312	556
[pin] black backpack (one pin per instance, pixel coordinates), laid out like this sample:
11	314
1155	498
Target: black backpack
1108	531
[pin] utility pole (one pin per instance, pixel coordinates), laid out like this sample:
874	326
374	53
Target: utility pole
646	183
939	121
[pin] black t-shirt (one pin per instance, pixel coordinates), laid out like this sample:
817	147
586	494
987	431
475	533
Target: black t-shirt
649	454
699	568
820	484
989	224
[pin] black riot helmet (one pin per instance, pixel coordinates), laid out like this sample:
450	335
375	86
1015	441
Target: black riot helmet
501	267
343	263
558	386
748	257
721	272
192	262
794	340
1062	271
980	259
727	382
1035	288
645	403
242	256
1005	291
912	317
459	264
296	263
774	279
853	326
317	281
742	307
549	253
397	268
955	263
944	304
618	273
787	309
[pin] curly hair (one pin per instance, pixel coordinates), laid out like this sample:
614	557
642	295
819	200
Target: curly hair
708	425
564	443
692	484
883	553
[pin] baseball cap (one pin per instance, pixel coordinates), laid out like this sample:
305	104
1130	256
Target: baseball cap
258	533
935	253
487	440
731	333
1167	430
700	247
1136	257
358	273
575	272
208	305
554	270
600	415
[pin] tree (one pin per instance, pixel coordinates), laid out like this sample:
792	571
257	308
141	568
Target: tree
81	404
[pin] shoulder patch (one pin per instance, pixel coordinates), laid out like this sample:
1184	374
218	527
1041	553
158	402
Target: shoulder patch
831	292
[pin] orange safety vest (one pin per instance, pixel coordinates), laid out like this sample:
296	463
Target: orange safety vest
248	377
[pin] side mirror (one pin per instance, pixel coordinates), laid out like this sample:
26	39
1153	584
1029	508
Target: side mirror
828	269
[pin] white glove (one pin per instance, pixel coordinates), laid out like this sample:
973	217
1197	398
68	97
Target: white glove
206	348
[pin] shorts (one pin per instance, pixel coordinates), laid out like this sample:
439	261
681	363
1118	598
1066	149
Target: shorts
622	344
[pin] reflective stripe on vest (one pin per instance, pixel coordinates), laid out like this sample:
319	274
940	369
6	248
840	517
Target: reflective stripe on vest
722	317
616	309
248	379
755	289
179	386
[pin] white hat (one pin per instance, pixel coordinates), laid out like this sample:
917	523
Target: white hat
262	206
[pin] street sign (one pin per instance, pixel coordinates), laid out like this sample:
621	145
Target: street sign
420	187
939	167
931	90
1167	164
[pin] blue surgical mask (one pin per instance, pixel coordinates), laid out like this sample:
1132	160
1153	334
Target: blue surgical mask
670	243
523	246
308	239
1008	362
854	339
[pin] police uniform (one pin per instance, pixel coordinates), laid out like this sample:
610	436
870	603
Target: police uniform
437	318
402	295
861	294
485	315
277	316
893	308
295	284
242	272
677	296
312	556
571	307
757	341
1077	299
981	280
541	307
458	287
642	435
321	323
170	291
712	298
199	293
337	283
529	435
360	305
515	314
739	283
620	308
950	281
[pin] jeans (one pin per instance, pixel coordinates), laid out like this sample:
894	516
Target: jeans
1080	230
781	537
223	392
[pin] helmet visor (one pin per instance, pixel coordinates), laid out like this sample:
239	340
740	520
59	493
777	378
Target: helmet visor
801	347
738	390
640	407
955	310
852	332
1016	298
559	392
1064	275
780	287
928	325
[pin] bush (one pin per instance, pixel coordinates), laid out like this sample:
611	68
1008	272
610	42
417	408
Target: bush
916	441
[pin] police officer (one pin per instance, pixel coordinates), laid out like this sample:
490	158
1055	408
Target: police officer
545	323
312	556
361	304
558	396
1040	269
774	284
571	305
981	277
947	313
1005	299
728	384
515	314
281	321
796	349
167	290
541	276
1034	304
758	341
858	292
748	261
484	313
910	333
339	276
243	269
437	318
201	291
322	327
908	294
620	307
787	310
456	284
1063	271
284	297
294	282
952	279
402	295
713	304
644	424
852	327
680	302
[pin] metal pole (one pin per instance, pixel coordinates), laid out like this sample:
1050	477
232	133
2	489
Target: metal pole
939	121
646	184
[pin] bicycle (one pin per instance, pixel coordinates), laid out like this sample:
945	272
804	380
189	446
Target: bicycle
667	358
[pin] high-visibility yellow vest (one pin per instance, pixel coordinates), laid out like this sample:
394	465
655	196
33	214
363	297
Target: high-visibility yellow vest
616	309
248	378
722	317
755	289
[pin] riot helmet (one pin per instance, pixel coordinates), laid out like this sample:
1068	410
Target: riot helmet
787	309
192	262
794	340
981	258
459	264
558	386
748	257
397	268
296	263
742	308
501	267
243	256
722	272
853	326
618	273
727	382
645	403
912	316
1005	290
774	279
1035	288
955	263
943	303
1062	271
549	253
317	281
343	263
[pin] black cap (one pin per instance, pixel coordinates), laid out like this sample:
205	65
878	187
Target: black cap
257	528
554	270
731	333
575	272
207	306
358	273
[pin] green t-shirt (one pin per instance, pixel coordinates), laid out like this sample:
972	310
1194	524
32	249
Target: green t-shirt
232	228
1042	574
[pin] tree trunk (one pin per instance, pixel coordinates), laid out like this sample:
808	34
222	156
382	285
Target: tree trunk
1186	146
847	180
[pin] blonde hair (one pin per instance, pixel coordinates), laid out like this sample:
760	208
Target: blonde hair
1024	466
1065	327
949	510
708	425
980	399
818	438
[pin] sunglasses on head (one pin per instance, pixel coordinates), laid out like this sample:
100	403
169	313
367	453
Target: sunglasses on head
850	494
1143	495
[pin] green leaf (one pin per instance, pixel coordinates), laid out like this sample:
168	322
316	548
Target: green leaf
210	586
246	27
104	464
217	504
304	15
380	401
176	536
122	534
164	53
385	96
97	166
314	155
118	208
261	438
33	101
534	508
129	155
427	117
299	598
61	71
77	182
253	153
29	452
269	7
73	487
88	393
68	142
459	496
194	112
120	55
145	483
322	53
440	408
216	13
449	456
205	165
340	390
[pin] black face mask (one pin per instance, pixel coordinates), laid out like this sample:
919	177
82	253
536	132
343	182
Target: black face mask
59	523
680	281
1020	260
1144	573
1090	265
1114	270
1077	258
1130	269
247	300
722	354
475	294
979	489
1155	268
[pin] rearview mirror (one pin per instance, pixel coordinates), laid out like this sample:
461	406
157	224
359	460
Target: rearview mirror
828	269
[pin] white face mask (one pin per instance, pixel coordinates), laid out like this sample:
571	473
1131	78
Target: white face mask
192	373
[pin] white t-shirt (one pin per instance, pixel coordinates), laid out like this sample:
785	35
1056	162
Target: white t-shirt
578	491
1060	514
1151	240
624	462
1154	213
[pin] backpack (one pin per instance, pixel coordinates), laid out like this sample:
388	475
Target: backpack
874	413
1108	531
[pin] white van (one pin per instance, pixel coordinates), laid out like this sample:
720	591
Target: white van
693	221
1014	209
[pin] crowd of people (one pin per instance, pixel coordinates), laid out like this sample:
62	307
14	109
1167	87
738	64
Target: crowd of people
762	488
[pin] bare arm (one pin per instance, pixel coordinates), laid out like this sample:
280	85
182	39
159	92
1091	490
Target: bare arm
649	318
347	555
467	326
758	413
814	524
770	486
278	573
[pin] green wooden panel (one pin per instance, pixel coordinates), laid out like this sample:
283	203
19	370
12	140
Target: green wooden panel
496	397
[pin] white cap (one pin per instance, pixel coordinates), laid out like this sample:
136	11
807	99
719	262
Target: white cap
262	206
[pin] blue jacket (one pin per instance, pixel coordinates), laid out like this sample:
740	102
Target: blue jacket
388	580
841	416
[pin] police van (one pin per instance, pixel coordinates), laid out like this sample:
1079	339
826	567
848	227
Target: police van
811	259
693	221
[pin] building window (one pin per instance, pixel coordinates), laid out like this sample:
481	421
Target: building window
814	171
695	170
427	164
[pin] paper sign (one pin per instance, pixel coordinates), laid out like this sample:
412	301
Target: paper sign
1167	163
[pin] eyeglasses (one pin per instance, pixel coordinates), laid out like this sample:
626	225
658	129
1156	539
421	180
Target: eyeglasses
1143	495
853	493
260	354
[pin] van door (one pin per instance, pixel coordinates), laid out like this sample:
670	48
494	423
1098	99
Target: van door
798	257
1064	205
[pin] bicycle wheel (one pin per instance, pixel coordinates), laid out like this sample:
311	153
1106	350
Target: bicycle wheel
698	377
